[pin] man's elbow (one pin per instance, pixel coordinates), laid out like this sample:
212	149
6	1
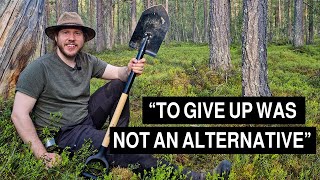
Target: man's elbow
16	118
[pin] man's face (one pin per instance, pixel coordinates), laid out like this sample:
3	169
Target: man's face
70	41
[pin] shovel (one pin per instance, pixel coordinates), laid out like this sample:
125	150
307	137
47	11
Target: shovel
147	38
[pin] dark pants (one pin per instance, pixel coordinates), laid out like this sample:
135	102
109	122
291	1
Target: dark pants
102	105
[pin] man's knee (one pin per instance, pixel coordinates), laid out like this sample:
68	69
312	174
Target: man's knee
115	86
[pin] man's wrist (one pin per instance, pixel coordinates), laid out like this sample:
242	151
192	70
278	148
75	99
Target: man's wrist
124	74
127	71
39	151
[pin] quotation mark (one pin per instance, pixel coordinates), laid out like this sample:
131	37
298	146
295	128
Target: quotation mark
152	105
307	134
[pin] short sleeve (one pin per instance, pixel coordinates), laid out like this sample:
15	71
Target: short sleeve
99	67
32	80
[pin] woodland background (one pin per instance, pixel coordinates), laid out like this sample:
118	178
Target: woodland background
207	52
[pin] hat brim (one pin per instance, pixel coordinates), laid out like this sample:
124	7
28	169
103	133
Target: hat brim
52	30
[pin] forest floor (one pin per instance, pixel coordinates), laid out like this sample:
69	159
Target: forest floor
182	70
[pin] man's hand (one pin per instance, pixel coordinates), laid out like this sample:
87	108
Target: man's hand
122	73
23	104
51	159
136	66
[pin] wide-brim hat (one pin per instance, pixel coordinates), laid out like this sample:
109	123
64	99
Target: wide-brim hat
70	20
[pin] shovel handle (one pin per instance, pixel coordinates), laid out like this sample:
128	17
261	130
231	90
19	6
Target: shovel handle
140	54
124	95
115	118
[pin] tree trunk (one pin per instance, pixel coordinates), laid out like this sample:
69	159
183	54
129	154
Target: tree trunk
236	22
90	14
184	20
167	38
74	6
271	28
179	24
133	15
298	23
118	23
304	21
46	23
310	28
109	15
254	49
229	21
113	24
21	39
100	39
58	9
69	6
205	16
218	35
277	20
289	23
194	21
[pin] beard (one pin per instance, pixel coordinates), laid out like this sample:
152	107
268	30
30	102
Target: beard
69	54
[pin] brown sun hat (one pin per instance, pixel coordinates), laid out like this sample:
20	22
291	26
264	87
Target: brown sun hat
70	20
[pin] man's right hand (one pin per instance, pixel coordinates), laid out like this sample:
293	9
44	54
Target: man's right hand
23	105
51	159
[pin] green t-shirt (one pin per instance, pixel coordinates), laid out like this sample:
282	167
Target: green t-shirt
62	92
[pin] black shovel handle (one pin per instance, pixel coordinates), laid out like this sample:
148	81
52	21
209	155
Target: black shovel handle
140	54
125	93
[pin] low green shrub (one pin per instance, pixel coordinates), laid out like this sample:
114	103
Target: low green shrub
181	69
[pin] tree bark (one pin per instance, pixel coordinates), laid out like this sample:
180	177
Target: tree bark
254	49
311	24
271	28
46	23
101	30
194	21
289	23
184	20
218	35
90	14
298	23
304	21
109	26
21	39
118	24
58	9
167	38
133	15
69	6
229	21
236	24
205	16
277	19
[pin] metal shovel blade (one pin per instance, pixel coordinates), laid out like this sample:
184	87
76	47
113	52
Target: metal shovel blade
155	22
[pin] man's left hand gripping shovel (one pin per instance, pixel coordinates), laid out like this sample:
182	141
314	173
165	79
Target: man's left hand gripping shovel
147	37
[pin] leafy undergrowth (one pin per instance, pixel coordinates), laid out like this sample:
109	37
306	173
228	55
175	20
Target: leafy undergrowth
182	70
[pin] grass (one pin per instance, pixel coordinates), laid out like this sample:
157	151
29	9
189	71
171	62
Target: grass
182	70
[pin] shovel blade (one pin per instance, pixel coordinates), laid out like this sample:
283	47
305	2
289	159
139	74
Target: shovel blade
154	21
